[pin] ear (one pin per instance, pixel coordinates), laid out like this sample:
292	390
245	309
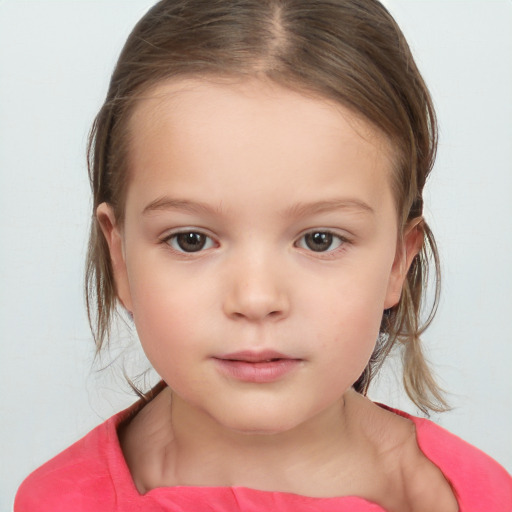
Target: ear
113	236
410	246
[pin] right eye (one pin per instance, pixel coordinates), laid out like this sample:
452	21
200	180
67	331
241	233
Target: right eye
189	241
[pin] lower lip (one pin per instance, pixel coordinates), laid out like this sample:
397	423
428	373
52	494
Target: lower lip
264	371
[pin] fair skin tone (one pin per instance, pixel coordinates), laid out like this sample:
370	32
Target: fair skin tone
249	229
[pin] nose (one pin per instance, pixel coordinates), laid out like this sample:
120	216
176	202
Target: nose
256	291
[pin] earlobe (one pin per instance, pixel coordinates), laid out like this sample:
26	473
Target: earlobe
113	236
408	249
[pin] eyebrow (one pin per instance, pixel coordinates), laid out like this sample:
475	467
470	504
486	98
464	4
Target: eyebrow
304	209
297	210
169	203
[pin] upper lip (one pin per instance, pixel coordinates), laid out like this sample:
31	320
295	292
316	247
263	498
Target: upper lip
253	356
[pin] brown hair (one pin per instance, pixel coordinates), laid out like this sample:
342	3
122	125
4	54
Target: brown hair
350	51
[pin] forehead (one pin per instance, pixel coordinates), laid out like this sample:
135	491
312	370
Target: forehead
197	99
224	133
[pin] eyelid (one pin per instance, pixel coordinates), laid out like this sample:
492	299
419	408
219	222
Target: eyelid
186	229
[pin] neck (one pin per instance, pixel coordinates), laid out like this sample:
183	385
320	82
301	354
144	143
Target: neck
350	449
200	451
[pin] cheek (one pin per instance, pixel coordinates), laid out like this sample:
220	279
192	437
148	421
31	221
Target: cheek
348	318
357	294
169	313
353	333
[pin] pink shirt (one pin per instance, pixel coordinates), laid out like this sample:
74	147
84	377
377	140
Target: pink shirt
92	476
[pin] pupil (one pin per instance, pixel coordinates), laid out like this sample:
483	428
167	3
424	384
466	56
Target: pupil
191	242
319	241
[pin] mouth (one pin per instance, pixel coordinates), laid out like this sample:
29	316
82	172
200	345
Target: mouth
249	356
257	366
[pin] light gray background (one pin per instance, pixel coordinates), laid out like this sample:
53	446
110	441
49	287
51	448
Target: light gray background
55	60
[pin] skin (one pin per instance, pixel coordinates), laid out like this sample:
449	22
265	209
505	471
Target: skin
239	164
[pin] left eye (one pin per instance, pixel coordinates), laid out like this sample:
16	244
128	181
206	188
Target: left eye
189	241
320	241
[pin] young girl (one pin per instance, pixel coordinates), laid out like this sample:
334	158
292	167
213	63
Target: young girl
257	173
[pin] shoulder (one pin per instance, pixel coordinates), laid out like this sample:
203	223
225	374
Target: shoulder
479	482
84	477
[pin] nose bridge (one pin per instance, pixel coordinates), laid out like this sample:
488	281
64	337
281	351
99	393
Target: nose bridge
256	286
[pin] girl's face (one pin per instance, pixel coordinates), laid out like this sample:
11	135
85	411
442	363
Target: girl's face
258	250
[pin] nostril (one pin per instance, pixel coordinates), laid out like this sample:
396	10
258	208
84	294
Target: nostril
275	314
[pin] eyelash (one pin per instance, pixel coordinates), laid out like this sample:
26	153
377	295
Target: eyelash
172	241
333	237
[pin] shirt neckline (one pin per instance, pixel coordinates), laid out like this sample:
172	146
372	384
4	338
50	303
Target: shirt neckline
123	481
